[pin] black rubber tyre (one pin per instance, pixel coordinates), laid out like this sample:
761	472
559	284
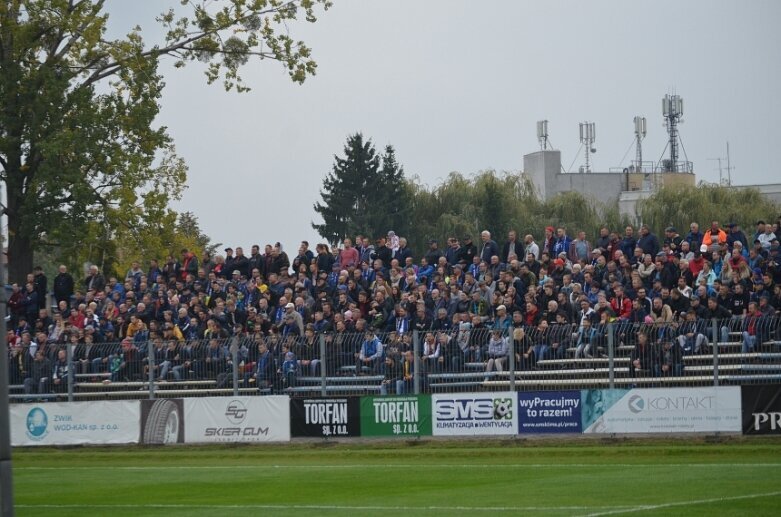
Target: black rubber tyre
163	423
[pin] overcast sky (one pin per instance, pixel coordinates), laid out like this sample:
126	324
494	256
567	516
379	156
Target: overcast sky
459	86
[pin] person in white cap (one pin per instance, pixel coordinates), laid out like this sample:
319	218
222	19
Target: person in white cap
290	310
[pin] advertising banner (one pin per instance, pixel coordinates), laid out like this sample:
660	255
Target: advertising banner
662	410
162	421
549	412
472	414
396	416
325	417
75	423
237	419
761	409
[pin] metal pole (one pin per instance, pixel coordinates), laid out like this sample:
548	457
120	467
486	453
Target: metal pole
611	356
416	355
234	351
715	352
71	375
6	480
323	373
512	361
150	354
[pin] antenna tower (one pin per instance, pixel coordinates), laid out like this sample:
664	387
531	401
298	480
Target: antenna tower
542	134
672	109
587	137
640	131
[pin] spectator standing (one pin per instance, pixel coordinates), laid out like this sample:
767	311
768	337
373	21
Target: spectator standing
579	249
240	263
548	241
63	286
348	256
41	285
736	235
563	242
467	251
531	248
511	247
648	241
629	242
490	248
433	254
694	237
672	239
94	280
452	251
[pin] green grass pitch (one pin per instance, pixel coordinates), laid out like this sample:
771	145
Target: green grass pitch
684	476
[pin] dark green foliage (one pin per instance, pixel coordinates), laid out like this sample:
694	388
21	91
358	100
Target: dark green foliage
364	193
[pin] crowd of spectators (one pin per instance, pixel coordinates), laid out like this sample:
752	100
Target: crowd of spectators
535	297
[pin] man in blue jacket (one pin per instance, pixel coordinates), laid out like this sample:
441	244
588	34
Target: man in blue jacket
370	354
648	241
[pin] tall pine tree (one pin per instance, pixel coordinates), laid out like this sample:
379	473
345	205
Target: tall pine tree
392	201
363	194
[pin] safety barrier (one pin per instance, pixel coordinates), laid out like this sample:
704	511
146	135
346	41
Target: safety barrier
512	356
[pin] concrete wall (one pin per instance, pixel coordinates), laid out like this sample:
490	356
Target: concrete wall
604	187
543	167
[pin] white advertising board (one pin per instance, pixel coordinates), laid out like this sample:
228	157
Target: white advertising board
237	419
74	423
667	410
471	414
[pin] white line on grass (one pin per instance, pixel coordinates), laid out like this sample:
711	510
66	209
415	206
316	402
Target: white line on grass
647	508
413	465
326	507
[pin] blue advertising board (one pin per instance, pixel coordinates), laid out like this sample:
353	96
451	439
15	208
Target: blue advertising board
549	412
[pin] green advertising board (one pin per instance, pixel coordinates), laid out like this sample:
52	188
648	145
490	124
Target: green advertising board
396	416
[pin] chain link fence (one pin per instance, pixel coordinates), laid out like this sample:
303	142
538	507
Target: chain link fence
548	356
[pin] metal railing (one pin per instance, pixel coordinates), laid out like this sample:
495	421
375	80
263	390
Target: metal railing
545	356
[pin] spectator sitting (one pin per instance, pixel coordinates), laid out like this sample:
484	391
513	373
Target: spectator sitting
498	350
370	354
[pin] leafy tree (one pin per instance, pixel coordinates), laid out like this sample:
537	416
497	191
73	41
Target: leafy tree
364	193
499	203
77	110
680	206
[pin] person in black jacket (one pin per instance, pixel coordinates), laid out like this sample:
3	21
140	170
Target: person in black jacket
382	252
643	356
648	242
722	315
670	360
39	375
393	383
467	252
40	283
63	286
60	372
